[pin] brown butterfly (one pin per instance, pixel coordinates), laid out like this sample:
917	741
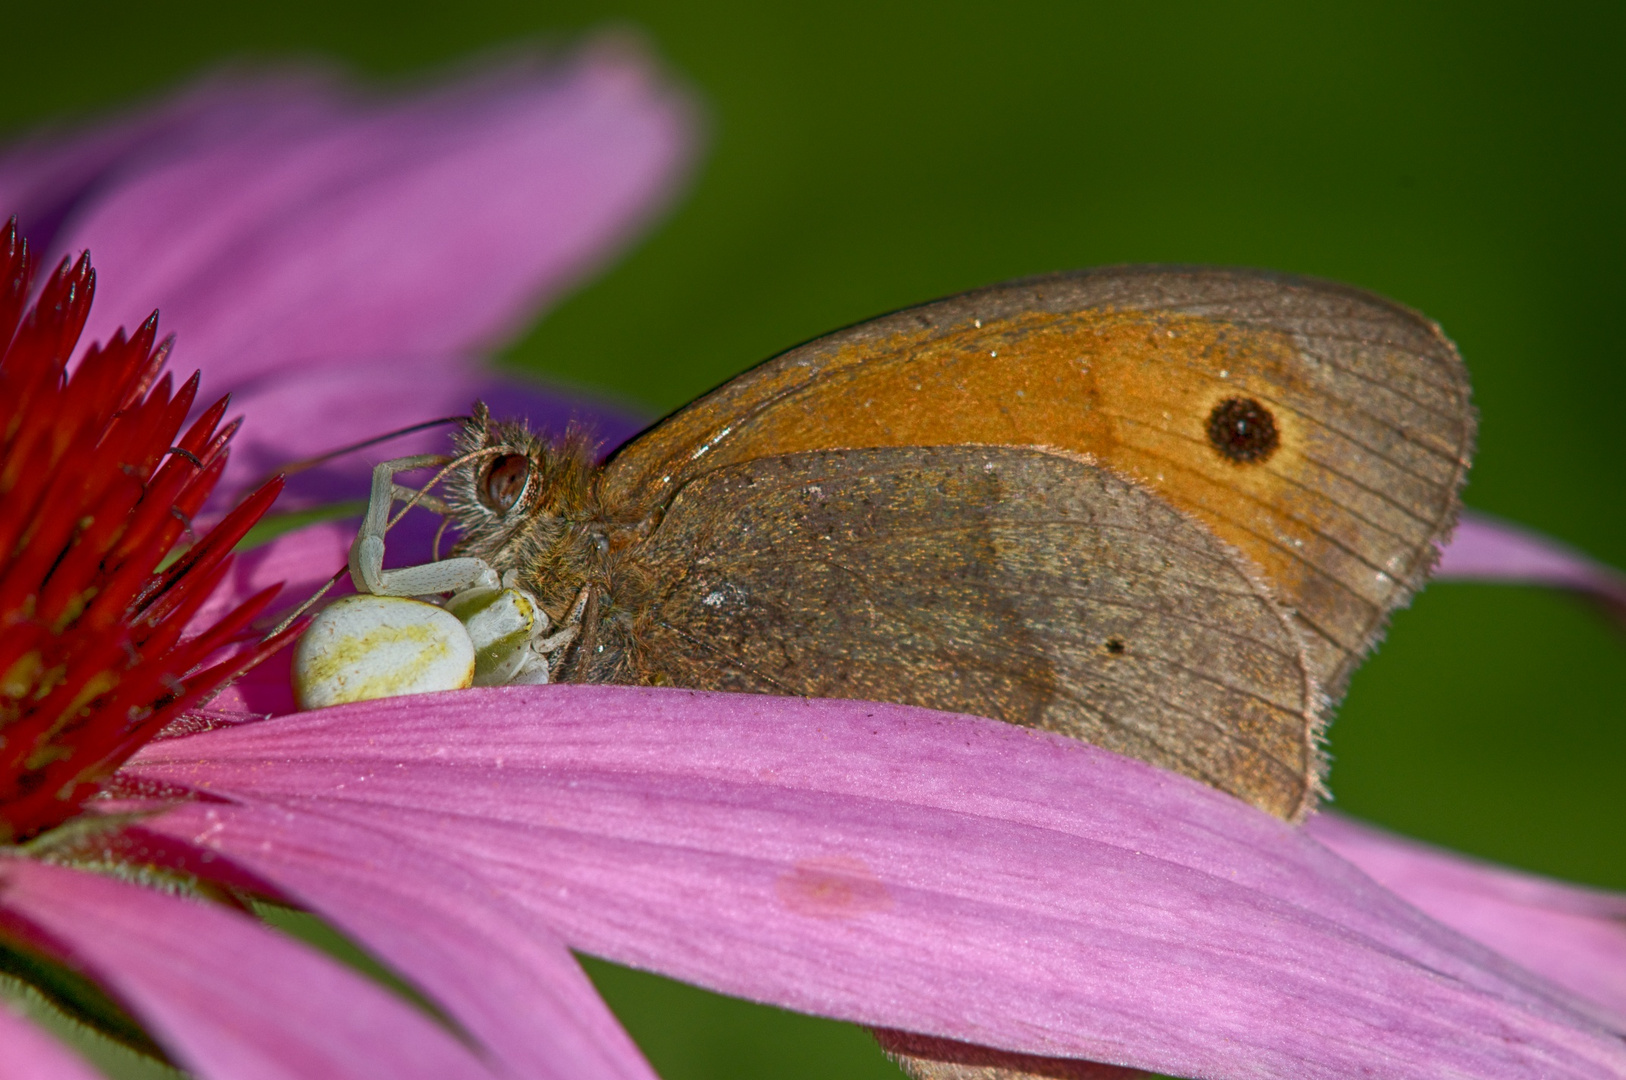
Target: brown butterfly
1165	510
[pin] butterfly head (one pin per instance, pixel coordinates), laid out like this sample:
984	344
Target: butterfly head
510	480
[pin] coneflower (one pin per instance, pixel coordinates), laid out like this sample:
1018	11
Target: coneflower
337	265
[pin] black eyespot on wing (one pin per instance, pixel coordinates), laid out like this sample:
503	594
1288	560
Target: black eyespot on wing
1115	646
505	482
1243	430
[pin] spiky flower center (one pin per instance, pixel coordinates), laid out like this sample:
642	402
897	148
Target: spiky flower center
100	573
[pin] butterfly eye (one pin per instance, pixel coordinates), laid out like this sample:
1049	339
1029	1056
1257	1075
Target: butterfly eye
505	481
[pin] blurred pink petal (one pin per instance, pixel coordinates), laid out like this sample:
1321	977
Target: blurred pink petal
489	965
30	1054
54	174
426	227
1486	549
794	852
227	997
1574	936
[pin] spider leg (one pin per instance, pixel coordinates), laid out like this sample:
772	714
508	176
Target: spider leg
367	552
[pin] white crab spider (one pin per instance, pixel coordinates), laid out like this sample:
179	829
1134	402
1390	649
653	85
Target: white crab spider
396	637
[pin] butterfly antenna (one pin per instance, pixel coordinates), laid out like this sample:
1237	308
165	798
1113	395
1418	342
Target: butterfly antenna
320	459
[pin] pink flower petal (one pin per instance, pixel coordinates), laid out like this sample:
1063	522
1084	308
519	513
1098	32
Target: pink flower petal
1572	935
427	227
508	981
919	871
227	997
30	1054
51	176
1486	549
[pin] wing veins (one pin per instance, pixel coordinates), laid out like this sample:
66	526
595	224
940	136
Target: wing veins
865	579
978	645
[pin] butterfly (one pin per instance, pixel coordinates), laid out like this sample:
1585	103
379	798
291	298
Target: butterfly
1165	510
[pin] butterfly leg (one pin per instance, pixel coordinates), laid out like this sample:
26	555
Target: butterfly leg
367	552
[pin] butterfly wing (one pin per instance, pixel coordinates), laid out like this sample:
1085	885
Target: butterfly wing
1027	586
1371	426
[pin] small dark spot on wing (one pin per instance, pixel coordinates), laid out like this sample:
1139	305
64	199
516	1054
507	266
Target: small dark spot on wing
1243	430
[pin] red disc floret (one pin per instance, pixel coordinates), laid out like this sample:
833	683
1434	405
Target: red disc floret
100	573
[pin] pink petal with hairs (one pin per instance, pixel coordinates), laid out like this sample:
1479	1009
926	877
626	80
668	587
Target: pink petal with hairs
30	1054
1574	936
427	227
921	871
1484	548
503	977
228	998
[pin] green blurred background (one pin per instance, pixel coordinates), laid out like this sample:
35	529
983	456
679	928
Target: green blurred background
1467	159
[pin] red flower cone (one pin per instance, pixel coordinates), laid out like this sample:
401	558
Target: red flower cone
100	572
